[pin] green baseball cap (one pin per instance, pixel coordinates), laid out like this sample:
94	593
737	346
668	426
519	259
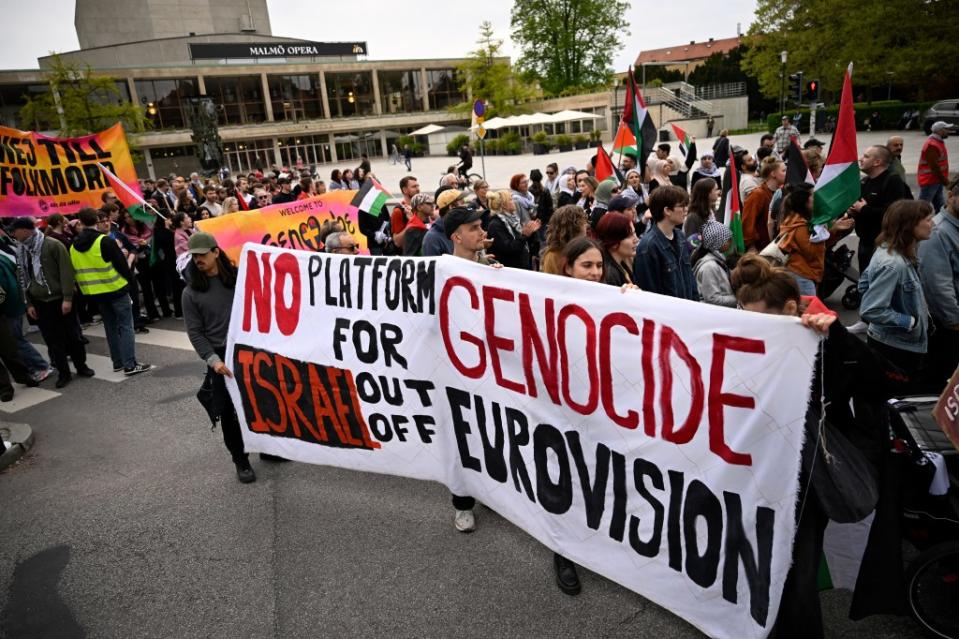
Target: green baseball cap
201	243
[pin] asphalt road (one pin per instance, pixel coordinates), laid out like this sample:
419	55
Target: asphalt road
126	520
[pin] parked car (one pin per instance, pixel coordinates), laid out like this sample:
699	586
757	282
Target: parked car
947	111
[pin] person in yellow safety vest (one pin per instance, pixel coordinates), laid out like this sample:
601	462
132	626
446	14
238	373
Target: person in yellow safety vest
103	275
933	171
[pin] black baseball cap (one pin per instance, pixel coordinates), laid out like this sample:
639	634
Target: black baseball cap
457	217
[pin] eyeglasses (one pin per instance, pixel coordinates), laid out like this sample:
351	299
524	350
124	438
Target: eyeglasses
263	197
353	248
548	172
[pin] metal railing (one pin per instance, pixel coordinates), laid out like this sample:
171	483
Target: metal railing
717	91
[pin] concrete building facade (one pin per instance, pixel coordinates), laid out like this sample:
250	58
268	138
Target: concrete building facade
103	23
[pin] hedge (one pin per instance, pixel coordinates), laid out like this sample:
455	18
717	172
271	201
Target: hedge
889	112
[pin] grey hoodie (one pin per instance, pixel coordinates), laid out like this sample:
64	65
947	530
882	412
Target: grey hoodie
712	280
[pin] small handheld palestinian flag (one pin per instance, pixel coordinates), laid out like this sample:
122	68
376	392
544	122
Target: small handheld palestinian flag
797	171
371	197
604	165
636	116
733	217
625	141
684	139
838	187
131	200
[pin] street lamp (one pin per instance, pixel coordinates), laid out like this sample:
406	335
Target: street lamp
889	75
782	90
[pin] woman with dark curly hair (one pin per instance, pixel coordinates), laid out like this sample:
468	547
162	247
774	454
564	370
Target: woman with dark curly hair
568	222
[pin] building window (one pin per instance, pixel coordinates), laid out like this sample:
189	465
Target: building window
350	94
167	101
443	88
247	156
400	91
239	99
12	99
305	151
295	97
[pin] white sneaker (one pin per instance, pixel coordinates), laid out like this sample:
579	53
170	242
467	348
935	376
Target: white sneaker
464	521
858	328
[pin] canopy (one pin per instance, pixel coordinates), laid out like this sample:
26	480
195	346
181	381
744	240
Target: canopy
429	128
567	116
540	118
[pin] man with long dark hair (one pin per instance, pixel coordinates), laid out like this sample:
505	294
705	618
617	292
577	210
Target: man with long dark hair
207	303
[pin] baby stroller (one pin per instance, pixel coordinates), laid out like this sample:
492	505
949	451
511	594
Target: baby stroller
929	522
838	268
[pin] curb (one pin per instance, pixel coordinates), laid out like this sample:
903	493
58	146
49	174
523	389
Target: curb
21	439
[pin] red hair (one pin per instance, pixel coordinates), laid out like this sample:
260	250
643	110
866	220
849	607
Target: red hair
613	228
515	180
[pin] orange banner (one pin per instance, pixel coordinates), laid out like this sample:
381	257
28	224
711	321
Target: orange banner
292	225
41	175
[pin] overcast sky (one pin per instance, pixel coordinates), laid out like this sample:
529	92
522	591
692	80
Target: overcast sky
420	29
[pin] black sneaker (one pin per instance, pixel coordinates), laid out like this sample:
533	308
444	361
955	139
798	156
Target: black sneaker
142	330
117	369
63	380
6	396
86	371
136	370
244	472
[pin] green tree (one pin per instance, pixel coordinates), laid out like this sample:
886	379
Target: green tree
907	41
486	75
80	102
569	44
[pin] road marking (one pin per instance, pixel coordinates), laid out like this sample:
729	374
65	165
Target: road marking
25	397
104	368
156	337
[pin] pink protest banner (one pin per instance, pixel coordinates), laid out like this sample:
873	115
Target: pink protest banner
291	225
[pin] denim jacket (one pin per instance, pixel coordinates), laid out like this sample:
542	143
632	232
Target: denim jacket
662	266
893	302
939	268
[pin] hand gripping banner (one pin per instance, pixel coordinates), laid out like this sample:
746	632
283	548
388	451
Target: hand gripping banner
654	441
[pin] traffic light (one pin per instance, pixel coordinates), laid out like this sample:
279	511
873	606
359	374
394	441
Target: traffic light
812	90
796	86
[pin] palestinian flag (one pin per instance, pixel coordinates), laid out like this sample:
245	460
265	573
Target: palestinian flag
797	172
371	197
684	140
637	118
130	199
604	165
733	217
625	141
838	186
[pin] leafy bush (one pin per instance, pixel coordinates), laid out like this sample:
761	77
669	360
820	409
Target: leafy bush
539	137
454	146
889	113
564	141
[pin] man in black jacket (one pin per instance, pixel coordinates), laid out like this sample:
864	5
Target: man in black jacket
104	277
881	188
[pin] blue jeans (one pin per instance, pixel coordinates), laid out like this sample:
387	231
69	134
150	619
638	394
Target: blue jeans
117	316
806	286
935	195
30	356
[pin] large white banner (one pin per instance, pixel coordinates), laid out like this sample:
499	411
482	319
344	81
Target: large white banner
654	441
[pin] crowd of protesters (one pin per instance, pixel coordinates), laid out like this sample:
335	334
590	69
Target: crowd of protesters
657	224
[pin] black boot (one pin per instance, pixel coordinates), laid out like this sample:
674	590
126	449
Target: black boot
244	472
566	577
